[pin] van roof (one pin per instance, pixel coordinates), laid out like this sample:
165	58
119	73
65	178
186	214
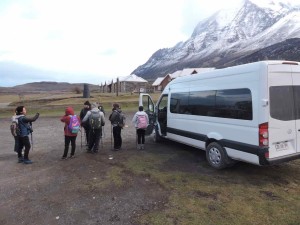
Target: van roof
244	67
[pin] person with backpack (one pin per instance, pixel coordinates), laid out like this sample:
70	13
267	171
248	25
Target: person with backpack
96	121
23	130
140	121
71	129
117	120
86	125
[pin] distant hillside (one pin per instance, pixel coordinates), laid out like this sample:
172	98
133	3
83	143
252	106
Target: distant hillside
46	86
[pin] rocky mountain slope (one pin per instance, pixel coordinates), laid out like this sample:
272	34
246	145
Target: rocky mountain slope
248	32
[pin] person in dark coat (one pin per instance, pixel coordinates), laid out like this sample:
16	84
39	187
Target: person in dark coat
25	128
116	129
85	125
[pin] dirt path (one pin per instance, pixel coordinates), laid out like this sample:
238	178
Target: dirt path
113	188
75	191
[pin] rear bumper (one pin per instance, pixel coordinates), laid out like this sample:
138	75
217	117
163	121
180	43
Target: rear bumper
263	161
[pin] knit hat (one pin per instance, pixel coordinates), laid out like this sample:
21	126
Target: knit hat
87	103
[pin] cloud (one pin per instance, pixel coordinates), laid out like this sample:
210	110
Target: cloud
96	37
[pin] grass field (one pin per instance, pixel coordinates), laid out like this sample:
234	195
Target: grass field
53	104
197	194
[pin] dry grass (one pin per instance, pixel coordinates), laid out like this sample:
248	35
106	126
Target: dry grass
261	196
52	104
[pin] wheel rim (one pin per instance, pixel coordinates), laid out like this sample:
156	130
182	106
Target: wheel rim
214	156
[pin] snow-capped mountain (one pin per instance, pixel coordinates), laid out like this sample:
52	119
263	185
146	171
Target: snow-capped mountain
228	35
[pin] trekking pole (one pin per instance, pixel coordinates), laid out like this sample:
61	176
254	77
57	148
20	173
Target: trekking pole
85	139
111	131
31	136
81	138
102	135
31	142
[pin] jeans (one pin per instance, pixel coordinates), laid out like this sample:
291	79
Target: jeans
117	137
69	139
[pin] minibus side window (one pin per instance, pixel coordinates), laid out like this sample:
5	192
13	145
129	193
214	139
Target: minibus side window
179	102
234	103
203	103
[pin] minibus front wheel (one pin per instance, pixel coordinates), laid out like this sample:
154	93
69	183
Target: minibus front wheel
216	155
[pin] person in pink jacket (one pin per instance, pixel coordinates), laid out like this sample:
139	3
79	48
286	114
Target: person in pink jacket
69	136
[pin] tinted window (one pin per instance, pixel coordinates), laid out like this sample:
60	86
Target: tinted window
234	103
163	103
282	102
297	101
202	103
179	103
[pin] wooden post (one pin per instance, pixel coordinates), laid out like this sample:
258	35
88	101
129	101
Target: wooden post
117	86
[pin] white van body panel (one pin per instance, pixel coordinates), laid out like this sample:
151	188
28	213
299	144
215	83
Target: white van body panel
240	137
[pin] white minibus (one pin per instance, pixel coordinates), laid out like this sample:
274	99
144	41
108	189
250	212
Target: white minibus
247	113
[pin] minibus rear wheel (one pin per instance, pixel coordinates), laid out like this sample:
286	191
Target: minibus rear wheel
216	156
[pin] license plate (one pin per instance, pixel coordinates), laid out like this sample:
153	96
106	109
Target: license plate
281	146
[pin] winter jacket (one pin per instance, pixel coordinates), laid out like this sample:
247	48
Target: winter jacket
24	124
89	113
83	113
135	118
66	119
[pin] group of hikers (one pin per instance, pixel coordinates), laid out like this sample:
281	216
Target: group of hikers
91	119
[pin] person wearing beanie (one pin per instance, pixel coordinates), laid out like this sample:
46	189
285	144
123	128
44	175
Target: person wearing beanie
115	118
86	126
96	120
25	128
69	136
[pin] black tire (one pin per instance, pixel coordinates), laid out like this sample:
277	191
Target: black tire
216	156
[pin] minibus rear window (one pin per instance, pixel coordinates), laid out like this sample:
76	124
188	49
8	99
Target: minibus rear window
284	102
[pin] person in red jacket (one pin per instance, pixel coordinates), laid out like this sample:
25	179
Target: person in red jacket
69	136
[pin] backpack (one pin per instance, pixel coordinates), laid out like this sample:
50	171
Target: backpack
95	120
122	119
14	129
142	122
74	125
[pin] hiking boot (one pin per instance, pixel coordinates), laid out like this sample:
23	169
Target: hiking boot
64	158
27	161
20	160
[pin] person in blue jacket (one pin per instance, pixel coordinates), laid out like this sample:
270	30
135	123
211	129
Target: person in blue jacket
24	129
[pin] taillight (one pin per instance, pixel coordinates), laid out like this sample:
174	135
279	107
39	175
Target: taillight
263	135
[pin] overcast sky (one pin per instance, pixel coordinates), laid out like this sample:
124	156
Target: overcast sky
91	40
